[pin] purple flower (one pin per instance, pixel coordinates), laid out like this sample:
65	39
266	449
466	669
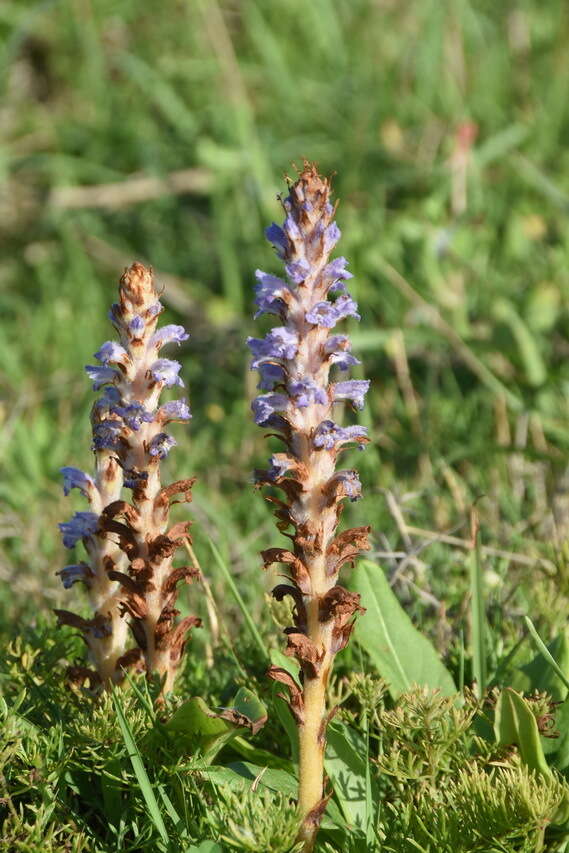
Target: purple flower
297	271
329	435
82	524
279	343
112	353
270	292
277	237
110	396
331	236
291	229
280	464
271	374
336	271
161	445
337	348
100	375
327	314
175	410
169	335
165	370
266	405
106	434
347	484
74	478
136	326
134	415
71	574
155	308
353	390
306	391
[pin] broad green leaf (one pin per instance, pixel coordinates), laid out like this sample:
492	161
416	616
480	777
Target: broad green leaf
346	764
194	725
515	723
263	757
241	775
250	706
400	653
276	780
194	720
205	847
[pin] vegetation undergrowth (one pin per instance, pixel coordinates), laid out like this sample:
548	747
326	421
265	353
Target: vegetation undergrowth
446	124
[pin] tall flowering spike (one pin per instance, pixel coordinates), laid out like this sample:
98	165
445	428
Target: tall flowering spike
299	404
130	576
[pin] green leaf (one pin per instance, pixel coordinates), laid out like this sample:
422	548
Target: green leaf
140	771
194	725
205	847
276	780
346	766
240	775
515	723
263	757
246	703
400	653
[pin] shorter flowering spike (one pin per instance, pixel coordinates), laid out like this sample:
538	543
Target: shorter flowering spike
130	577
294	360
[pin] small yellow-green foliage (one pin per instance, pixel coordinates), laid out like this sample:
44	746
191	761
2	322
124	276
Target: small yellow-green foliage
256	820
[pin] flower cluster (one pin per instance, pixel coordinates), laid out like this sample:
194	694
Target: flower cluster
129	574
299	404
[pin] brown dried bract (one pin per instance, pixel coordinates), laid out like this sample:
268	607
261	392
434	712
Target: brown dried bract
339	603
180	487
128	512
294	700
135	605
346	547
78	675
241	720
304	650
284	589
186	573
314	817
178	637
298	570
133	659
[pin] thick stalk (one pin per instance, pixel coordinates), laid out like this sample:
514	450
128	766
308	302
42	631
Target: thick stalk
294	361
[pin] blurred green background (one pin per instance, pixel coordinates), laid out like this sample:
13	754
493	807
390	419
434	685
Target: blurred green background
162	133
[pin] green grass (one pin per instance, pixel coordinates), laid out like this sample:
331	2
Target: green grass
464	312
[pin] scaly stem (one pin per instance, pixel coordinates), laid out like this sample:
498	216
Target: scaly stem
295	361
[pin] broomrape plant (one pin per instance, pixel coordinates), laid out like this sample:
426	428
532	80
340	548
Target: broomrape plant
294	361
128	571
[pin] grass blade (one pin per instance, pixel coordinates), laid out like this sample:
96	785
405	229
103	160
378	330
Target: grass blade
545	651
241	604
140	771
477	610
